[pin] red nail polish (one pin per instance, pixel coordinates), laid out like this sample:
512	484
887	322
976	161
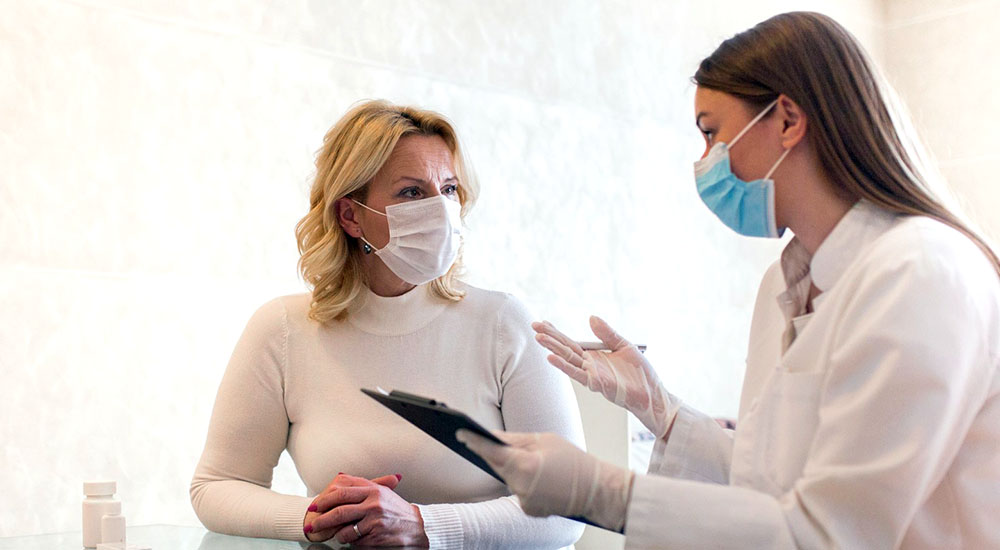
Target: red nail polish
340	473
308	529
312	508
399	477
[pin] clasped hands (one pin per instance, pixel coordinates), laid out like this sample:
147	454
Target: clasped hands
358	511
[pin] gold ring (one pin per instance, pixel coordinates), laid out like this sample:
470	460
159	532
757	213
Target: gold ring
358	533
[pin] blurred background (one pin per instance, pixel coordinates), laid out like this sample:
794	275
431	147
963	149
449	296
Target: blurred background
156	155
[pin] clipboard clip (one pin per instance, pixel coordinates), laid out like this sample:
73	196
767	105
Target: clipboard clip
415	399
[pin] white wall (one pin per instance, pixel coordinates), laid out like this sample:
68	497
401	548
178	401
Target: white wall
942	58
155	156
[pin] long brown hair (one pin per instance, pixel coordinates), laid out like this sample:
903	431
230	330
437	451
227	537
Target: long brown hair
813	60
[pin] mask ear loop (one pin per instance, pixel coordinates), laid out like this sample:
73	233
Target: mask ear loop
775	167
755	120
368	247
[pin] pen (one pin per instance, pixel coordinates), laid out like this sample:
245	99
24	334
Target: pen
601	346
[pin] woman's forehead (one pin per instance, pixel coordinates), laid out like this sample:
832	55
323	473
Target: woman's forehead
418	156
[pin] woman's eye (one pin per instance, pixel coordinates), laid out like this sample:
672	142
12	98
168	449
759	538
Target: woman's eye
708	134
448	190
410	193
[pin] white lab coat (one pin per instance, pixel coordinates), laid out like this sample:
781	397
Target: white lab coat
877	427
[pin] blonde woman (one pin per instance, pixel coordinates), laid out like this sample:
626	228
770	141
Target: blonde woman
381	248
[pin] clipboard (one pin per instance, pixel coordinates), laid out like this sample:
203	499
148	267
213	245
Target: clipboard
438	421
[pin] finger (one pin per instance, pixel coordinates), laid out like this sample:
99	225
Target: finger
341	496
514	440
569	369
339	516
606	334
494	454
548	328
345	480
559	349
390	481
318	536
349	535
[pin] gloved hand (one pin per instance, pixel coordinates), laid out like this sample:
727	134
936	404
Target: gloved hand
622	375
551	476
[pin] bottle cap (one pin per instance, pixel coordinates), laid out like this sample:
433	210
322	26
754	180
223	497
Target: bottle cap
99	488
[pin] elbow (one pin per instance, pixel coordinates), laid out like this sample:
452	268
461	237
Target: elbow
201	503
197	491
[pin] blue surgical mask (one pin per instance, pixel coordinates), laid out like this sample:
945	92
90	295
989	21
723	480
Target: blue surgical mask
746	207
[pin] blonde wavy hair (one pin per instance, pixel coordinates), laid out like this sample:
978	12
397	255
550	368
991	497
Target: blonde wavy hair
353	151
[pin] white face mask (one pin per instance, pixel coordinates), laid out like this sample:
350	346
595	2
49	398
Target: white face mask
424	237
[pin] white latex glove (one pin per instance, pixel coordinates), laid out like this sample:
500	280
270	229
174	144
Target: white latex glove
551	476
622	375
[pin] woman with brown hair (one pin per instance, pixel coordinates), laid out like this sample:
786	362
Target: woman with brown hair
870	412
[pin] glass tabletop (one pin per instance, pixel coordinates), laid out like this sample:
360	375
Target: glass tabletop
163	537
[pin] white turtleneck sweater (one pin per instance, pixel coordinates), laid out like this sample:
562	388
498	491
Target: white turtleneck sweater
294	383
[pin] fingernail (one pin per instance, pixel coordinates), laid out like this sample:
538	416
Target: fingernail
399	477
340	473
307	529
312	508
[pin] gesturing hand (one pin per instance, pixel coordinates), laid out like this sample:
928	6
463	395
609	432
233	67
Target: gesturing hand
622	375
357	511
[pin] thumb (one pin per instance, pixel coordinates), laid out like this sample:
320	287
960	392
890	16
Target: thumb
606	334
493	453
390	481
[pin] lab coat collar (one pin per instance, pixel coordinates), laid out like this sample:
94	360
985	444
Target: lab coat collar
863	224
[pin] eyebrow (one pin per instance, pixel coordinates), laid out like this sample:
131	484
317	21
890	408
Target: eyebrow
421	181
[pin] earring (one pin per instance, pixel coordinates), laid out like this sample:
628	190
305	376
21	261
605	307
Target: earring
367	248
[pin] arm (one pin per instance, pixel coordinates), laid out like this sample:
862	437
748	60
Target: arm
231	491
534	397
903	380
689	444
696	448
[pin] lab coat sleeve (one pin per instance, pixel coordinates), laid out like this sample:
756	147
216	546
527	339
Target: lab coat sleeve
534	397
697	449
231	491
907	370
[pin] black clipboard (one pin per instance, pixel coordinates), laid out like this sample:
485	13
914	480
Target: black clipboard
438	421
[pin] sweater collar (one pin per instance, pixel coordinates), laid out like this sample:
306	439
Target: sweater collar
396	315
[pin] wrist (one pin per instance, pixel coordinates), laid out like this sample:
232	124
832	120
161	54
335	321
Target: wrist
629	483
421	536
609	507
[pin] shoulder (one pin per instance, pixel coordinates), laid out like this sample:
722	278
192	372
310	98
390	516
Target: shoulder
924	252
927	276
274	316
504	305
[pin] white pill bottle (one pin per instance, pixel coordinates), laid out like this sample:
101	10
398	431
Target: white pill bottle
99	499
